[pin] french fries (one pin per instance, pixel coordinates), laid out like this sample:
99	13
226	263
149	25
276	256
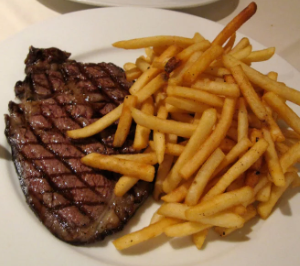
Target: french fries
202	131
162	125
250	157
209	121
125	121
213	140
198	95
154	41
141	136
125	167
235	24
203	176
146	233
218	88
212	53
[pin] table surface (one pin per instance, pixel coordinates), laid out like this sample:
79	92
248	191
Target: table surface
276	23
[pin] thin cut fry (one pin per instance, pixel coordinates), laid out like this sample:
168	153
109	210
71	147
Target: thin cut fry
142	64
265	208
202	131
261	55
264	81
162	172
220	203
176	76
129	168
170	148
179	193
186	104
147	158
159	138
144	234
212	142
251	213
264	194
244	53
141	136
284	111
244	42
238	168
272	160
199	238
290	157
185	229
149	74
243	125
97	126
162	125
198	95
228	46
125	121
235	24
187	52
219	88
212	53
154	41
203	176
254	101
133	73
124	184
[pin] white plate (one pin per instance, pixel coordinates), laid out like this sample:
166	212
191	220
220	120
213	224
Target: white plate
147	3
88	35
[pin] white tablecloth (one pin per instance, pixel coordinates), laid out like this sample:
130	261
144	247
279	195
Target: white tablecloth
276	23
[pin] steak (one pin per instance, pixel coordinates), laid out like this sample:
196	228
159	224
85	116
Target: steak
75	202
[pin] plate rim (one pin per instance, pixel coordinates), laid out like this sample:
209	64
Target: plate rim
120	3
31	28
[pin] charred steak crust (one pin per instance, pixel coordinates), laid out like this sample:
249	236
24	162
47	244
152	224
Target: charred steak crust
75	202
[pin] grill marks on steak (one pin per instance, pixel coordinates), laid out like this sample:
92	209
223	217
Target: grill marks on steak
75	202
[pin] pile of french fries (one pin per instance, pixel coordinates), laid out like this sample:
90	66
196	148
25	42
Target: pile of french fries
223	158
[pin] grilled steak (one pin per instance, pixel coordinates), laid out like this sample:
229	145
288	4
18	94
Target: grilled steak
75	202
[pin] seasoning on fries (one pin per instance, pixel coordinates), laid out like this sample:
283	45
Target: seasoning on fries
210	120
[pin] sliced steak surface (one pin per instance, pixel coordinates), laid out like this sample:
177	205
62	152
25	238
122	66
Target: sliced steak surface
75	202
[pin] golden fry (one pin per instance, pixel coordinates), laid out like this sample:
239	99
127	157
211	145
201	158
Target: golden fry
125	121
235	24
243	124
162	125
159	138
187	104
187	52
203	176
258	56
154	41
220	203
202	131
272	160
212	142
124	184
144	234
199	238
219	88
212	53
264	81
185	229
125	167
265	208
251	156
141	136
198	95
284	111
